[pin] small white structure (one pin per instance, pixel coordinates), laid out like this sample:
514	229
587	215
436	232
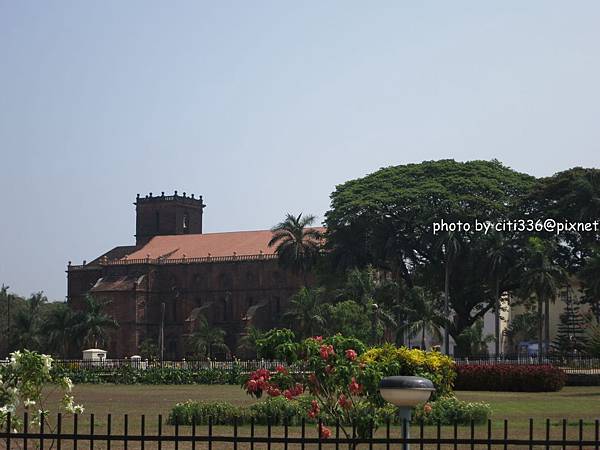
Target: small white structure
94	354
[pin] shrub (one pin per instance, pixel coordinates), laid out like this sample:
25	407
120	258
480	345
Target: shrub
277	410
450	410
507	377
222	413
390	360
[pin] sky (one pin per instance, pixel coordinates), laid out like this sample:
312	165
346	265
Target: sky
264	107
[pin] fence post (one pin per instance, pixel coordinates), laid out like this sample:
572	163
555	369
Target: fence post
91	431
42	431
25	428
75	432
8	424
108	431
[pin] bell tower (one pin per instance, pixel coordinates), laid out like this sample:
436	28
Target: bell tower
167	215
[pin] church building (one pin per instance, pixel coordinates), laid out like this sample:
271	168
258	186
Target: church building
175	273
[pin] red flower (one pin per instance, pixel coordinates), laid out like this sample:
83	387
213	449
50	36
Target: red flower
318	338
281	369
329	369
314	409
251	385
344	402
324	432
273	391
288	394
351	354
354	387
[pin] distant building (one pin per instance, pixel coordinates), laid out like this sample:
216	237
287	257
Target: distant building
175	273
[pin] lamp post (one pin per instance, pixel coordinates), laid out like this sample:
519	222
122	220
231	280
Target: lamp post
405	392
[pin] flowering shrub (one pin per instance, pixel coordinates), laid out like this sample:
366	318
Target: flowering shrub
21	383
389	360
341	379
507	377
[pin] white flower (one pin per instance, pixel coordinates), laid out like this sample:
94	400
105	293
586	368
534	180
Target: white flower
47	360
67	384
8	409
27	403
78	409
15	358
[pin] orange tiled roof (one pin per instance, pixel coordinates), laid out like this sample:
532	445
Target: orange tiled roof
210	244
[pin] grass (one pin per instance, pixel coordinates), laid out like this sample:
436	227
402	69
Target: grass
572	403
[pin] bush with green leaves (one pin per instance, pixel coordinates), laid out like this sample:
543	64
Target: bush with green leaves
450	410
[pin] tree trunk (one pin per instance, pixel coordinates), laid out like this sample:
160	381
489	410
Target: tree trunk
540	329
447	307
497	317
423	337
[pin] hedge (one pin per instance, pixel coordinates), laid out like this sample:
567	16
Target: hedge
279	411
508	377
155	375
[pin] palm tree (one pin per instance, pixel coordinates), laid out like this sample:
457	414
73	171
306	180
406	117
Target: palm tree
296	244
60	328
499	259
27	322
247	342
473	340
423	315
205	340
541	278
305	312
449	245
522	328
95	324
373	296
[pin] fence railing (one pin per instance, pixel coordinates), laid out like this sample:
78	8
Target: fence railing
569	364
89	432
248	365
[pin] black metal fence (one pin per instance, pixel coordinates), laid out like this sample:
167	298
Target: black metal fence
88	432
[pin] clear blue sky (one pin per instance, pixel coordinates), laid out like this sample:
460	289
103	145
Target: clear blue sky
263	107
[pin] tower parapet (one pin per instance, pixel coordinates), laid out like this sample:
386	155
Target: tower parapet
167	215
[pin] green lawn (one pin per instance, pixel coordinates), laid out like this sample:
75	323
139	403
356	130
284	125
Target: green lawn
572	403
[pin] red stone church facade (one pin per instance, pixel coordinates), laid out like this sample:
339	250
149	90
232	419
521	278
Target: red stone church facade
175	273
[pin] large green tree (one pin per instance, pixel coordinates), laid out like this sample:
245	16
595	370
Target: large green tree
386	219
